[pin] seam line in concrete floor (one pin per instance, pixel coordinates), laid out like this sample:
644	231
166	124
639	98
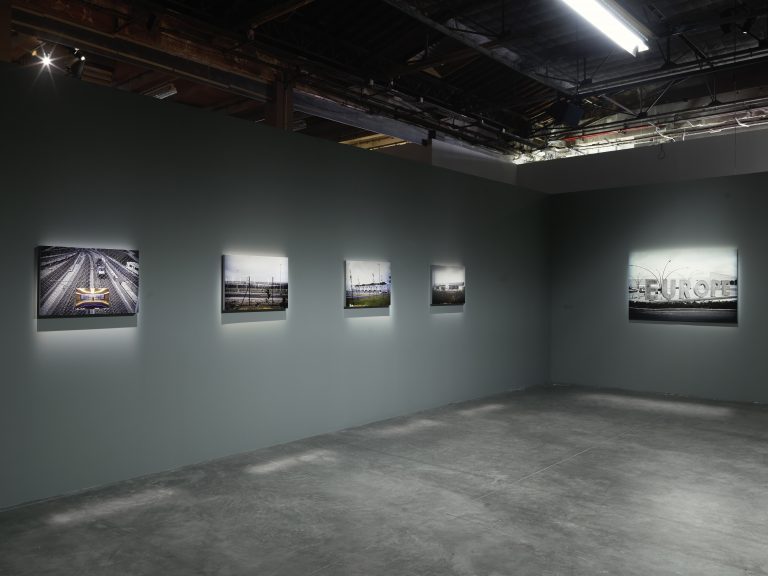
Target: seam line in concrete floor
358	444
465	518
495	480
683	524
607	447
551	466
192	571
363	549
500	530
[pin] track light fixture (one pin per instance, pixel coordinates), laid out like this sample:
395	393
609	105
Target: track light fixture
78	64
732	23
746	27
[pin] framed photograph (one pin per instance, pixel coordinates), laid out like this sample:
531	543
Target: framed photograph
684	285
448	285
87	282
368	284
254	283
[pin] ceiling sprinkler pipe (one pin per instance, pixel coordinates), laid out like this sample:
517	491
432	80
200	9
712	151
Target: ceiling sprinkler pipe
606	133
686	132
713	112
687	70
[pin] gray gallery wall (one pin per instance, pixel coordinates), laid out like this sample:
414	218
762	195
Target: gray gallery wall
89	401
594	343
729	153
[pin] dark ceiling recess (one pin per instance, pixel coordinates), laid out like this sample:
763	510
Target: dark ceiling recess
517	77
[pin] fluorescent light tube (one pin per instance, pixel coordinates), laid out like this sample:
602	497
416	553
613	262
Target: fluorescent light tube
162	92
611	22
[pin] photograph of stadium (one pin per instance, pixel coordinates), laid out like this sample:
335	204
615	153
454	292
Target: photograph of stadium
87	282
368	284
684	285
447	285
254	283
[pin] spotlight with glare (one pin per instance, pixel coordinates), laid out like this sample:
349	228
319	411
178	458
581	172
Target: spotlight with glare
46	60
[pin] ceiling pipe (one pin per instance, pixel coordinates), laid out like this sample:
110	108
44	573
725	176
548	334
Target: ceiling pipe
242	81
490	50
701	112
718	63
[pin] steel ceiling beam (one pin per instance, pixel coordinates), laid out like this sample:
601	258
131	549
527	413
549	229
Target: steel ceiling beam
491	49
277	12
662	118
352	116
427	63
705	65
122	50
438	95
244	76
712	64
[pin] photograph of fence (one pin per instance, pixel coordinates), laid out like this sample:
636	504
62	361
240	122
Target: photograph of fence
254	283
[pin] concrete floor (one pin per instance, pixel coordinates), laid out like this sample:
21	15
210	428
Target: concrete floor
544	482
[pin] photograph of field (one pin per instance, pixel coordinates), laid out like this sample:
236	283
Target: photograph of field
447	285
368	284
87	282
684	285
254	283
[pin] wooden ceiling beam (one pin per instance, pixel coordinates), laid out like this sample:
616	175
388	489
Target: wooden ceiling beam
5	31
194	50
121	32
132	42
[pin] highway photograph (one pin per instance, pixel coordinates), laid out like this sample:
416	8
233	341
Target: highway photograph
87	282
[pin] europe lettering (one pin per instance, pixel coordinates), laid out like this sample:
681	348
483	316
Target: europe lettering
685	289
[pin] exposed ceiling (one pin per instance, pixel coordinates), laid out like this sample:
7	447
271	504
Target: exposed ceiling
525	78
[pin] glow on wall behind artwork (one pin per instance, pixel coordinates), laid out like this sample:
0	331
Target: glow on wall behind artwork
684	285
